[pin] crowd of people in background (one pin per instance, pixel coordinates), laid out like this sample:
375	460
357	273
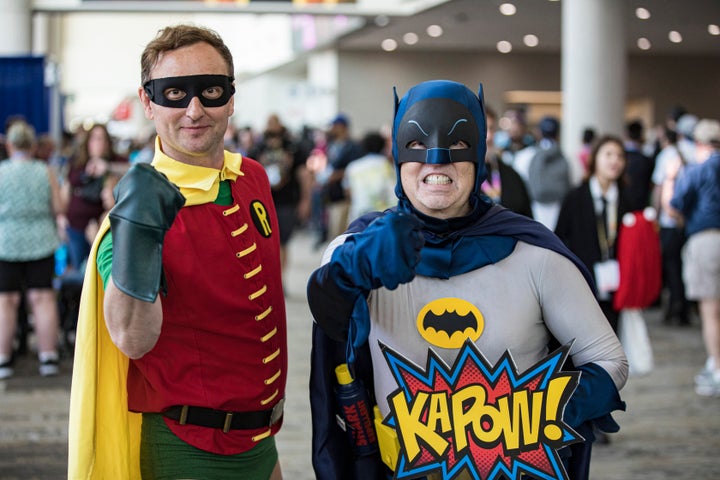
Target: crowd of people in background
324	178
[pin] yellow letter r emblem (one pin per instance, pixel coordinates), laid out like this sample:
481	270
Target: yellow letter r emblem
260	218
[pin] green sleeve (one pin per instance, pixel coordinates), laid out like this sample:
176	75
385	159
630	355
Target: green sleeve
104	258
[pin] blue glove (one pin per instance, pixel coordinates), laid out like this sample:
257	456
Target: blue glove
595	398
385	254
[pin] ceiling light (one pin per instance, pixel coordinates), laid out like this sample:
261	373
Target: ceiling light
504	46
642	13
531	40
434	30
382	20
508	9
675	36
388	45
410	38
713	29
643	43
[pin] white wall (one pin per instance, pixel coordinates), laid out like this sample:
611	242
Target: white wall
366	80
100	52
15	23
304	93
99	55
373	75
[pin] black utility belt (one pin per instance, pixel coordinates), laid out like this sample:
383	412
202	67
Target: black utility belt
226	421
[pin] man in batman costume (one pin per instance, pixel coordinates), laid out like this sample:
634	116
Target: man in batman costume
446	240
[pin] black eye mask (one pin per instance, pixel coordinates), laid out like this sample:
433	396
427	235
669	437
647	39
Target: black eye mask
193	86
437	123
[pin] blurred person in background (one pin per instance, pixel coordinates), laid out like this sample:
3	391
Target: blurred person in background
46	148
639	169
60	160
231	137
587	140
546	171
673	115
685	127
317	166
245	140
94	158
503	184
57	155
696	199
590	216
370	180
8	123
108	201
143	149
513	135
69	284
341	149
29	203
672	232
290	181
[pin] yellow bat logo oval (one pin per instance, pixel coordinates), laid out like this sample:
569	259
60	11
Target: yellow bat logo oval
448	322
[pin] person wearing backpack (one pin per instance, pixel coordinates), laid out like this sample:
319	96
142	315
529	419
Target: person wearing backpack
546	172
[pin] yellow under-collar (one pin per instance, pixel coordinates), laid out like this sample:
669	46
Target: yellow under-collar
197	184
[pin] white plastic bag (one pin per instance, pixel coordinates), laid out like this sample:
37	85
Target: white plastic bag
635	340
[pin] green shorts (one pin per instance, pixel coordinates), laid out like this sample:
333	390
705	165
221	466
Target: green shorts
163	456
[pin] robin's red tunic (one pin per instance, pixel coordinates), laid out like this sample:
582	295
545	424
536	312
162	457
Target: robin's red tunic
223	339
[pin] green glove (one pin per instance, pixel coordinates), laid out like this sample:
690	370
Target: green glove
146	206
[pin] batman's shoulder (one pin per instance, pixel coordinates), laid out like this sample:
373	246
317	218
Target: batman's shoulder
362	222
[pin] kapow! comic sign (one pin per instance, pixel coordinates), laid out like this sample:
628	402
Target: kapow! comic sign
490	421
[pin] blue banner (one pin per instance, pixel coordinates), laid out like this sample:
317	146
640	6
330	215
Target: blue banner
23	92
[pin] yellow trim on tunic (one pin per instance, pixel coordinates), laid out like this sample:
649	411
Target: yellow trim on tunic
103	436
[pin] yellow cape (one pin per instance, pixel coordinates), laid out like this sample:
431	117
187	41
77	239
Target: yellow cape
103	437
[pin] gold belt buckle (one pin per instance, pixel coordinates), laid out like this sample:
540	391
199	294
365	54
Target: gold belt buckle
277	412
183	415
228	422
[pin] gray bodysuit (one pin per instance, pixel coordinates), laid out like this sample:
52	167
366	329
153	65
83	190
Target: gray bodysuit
522	300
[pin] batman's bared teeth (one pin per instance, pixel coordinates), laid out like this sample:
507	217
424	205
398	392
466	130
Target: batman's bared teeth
437	179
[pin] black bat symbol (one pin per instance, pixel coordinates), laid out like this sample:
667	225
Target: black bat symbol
450	322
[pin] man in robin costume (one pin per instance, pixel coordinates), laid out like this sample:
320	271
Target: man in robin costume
181	358
447	272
